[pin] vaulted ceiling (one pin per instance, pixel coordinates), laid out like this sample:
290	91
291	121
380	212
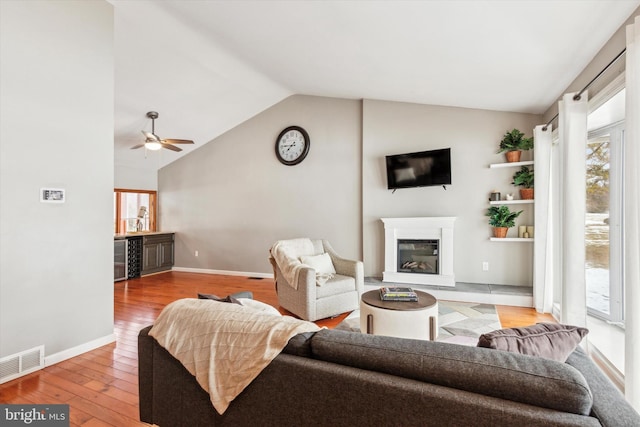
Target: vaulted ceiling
207	66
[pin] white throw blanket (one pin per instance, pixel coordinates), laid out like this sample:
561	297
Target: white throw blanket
224	345
287	254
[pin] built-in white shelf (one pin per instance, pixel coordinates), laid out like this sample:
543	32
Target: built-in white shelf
512	164
511	239
511	202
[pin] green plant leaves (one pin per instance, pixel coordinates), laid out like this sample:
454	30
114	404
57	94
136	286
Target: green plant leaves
524	177
501	216
514	140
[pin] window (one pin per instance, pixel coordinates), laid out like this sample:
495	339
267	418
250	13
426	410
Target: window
603	222
134	210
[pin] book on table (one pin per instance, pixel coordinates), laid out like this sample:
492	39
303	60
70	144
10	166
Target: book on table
395	293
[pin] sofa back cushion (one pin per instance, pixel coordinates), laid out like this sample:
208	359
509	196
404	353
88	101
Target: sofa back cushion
300	345
520	378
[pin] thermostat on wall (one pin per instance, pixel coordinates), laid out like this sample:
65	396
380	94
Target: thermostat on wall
52	195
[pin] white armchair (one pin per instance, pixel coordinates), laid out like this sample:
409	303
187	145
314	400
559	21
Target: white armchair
307	289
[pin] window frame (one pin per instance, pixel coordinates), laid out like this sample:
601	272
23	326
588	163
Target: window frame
616	225
153	208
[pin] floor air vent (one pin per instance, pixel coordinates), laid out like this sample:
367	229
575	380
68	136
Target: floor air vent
22	363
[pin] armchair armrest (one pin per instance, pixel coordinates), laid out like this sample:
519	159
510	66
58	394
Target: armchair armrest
346	267
301	300
306	293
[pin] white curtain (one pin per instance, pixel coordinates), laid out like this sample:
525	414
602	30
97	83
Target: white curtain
545	257
573	138
632	216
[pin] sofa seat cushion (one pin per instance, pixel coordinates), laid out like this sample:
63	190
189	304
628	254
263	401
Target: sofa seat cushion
338	284
516	377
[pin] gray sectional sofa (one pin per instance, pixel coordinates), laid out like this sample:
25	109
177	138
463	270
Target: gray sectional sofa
338	378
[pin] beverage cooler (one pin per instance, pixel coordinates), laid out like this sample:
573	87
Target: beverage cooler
120	259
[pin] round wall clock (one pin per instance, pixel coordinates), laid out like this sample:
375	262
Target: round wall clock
292	145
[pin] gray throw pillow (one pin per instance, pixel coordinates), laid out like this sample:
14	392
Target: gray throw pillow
549	340
228	298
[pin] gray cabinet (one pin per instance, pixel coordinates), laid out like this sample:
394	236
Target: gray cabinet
157	253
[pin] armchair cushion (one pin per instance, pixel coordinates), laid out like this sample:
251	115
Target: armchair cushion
322	265
339	284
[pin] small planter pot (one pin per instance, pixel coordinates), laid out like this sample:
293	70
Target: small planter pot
513	156
526	193
500	232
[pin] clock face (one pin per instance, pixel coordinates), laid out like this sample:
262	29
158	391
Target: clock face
292	145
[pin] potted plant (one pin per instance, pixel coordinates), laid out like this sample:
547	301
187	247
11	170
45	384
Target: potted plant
501	219
524	178
513	143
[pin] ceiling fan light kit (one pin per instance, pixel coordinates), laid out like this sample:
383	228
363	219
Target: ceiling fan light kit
153	141
152	145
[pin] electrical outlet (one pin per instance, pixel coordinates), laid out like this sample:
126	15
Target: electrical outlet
485	266
196	253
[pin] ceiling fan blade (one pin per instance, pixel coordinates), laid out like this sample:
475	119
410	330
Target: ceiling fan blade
137	146
150	136
170	147
178	141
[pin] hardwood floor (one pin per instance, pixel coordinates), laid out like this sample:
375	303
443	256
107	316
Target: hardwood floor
101	386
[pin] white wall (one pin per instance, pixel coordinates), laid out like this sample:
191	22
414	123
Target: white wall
135	178
56	104
616	44
231	199
474	136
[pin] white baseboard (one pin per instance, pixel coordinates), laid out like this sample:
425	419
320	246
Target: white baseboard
223	272
78	350
616	377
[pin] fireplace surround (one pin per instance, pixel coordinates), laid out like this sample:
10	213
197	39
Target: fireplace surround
419	251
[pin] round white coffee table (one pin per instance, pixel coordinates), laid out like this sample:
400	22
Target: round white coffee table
403	319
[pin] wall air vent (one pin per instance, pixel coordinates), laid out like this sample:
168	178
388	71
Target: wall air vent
23	363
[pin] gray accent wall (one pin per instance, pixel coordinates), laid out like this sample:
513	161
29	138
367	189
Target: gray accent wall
231	199
56	103
473	136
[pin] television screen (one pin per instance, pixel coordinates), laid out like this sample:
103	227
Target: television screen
421	169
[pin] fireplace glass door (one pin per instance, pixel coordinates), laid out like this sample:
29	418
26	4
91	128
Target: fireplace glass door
418	256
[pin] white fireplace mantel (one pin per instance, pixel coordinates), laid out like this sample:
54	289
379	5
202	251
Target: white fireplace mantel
434	228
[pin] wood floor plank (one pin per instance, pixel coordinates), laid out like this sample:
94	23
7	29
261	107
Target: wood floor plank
78	417
95	422
126	386
108	415
101	386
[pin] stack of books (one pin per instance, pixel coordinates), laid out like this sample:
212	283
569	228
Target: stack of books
397	294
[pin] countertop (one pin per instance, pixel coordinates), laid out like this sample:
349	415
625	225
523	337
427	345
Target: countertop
141	233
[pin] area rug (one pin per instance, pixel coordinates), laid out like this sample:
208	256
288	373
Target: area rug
458	322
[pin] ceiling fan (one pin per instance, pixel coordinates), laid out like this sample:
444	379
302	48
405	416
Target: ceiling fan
153	141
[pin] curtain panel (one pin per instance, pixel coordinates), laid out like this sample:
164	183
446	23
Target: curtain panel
632	216
546	256
573	139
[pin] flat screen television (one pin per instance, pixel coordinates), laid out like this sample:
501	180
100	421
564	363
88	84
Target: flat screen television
421	169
